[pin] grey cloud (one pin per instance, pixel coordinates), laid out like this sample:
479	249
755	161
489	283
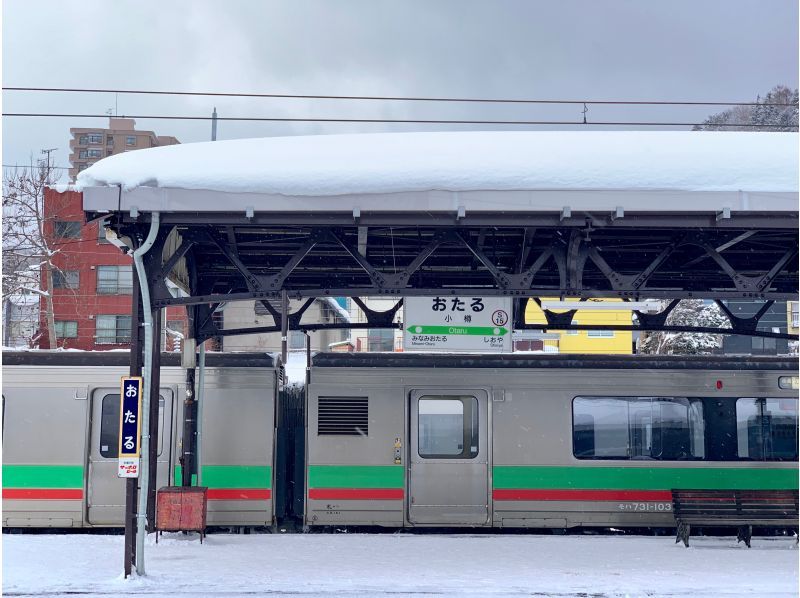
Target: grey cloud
625	49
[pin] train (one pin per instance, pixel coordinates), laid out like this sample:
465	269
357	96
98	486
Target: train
408	440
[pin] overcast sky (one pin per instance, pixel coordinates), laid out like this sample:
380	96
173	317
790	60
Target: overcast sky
728	50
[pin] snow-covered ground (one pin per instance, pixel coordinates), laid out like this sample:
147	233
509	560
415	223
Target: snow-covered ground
313	565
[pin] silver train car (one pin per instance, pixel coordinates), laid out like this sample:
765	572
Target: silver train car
61	426
409	440
521	441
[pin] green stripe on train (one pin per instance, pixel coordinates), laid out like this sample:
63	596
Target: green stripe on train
42	476
644	478
232	476
355	476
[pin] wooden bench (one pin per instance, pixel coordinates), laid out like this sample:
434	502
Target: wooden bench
733	508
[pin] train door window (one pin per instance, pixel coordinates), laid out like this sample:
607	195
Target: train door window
448	427
109	426
767	429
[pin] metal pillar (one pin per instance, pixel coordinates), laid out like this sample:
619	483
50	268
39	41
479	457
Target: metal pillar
147	368
201	378
189	430
155	395
131	484
308	358
284	325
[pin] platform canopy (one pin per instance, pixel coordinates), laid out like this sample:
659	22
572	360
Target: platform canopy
626	214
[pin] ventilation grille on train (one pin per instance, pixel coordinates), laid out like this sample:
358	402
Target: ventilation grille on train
343	416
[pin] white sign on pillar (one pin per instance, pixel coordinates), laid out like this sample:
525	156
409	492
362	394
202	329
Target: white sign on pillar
457	323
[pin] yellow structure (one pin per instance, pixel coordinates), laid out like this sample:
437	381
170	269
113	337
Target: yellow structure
587	341
793	317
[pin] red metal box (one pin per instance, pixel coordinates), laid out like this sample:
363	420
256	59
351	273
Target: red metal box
181	509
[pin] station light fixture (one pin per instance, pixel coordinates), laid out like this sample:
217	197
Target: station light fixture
645	306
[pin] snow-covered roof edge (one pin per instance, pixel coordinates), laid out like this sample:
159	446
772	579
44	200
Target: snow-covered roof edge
335	165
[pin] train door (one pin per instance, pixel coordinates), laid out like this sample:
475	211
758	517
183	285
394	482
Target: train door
105	491
448	480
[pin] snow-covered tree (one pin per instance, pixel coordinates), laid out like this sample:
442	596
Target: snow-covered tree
767	111
688	312
28	251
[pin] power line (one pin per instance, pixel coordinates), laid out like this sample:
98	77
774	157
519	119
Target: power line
386	98
400	121
29	166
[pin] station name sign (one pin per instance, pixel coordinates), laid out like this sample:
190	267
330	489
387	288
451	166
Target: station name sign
130	430
457	323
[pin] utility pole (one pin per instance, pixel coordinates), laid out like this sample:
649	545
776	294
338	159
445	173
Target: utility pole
214	124
48	152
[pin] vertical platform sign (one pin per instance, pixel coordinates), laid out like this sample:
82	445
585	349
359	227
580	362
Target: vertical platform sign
130	430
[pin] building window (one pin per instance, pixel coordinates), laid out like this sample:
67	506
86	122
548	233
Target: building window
600	333
66	279
114	280
81	167
67	229
83	154
380	339
113	330
297	340
130	140
83	140
101	233
763	346
95	138
110	140
66	329
767	429
110	153
661	428
794	306
95	153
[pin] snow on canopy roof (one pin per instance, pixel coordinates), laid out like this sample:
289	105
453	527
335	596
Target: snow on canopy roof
335	165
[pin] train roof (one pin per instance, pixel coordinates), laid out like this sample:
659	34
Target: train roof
122	358
524	360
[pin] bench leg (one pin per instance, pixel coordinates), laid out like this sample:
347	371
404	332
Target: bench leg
745	533
682	533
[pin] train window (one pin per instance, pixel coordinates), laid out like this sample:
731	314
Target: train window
766	429
662	428
109	426
448	427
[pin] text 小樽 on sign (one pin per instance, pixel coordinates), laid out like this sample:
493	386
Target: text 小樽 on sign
130	431
457	323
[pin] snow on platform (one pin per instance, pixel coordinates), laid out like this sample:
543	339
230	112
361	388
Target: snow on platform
403	565
483	170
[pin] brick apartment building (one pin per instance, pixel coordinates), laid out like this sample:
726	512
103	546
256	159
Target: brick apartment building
93	285
88	145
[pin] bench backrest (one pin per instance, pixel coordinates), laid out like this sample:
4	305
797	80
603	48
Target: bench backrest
739	504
